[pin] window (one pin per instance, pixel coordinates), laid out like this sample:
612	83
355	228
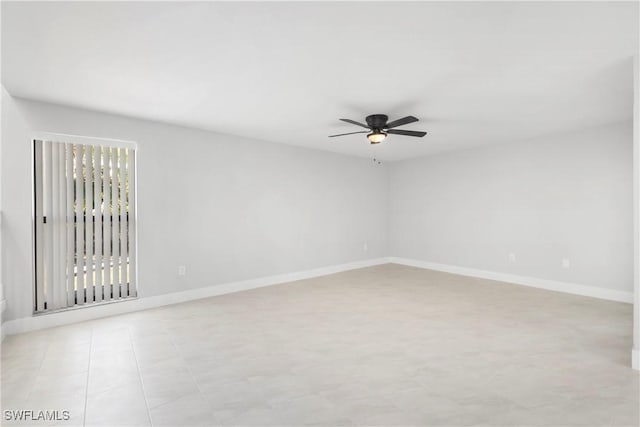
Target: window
84	221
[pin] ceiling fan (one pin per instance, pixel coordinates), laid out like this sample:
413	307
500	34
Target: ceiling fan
379	128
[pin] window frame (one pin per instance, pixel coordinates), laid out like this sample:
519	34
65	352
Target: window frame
79	140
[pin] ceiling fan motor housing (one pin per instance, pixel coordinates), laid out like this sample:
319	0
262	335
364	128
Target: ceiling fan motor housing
377	121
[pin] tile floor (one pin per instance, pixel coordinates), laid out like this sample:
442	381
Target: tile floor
386	345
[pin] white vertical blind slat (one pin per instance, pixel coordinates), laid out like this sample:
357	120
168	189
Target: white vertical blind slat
53	221
60	285
88	160
124	265
48	238
98	216
107	224
115	237
131	168
80	238
70	227
39	226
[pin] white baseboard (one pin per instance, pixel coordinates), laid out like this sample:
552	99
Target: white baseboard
66	317
551	285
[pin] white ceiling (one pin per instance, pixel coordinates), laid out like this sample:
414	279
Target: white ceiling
474	73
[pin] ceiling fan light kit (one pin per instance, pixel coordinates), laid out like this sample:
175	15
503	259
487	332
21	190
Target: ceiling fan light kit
379	128
376	137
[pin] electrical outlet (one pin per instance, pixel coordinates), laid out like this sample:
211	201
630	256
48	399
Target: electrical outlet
512	257
182	270
365	247
566	263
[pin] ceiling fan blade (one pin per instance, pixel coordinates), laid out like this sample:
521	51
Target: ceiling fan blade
406	132
350	133
355	123
400	122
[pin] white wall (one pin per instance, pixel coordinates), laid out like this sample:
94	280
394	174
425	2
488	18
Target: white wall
565	196
227	208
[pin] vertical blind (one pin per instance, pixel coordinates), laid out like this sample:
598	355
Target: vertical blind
85	248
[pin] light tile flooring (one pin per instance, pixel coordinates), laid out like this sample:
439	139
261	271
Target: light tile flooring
386	345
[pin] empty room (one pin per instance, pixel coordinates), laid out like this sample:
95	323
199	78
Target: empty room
320	213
